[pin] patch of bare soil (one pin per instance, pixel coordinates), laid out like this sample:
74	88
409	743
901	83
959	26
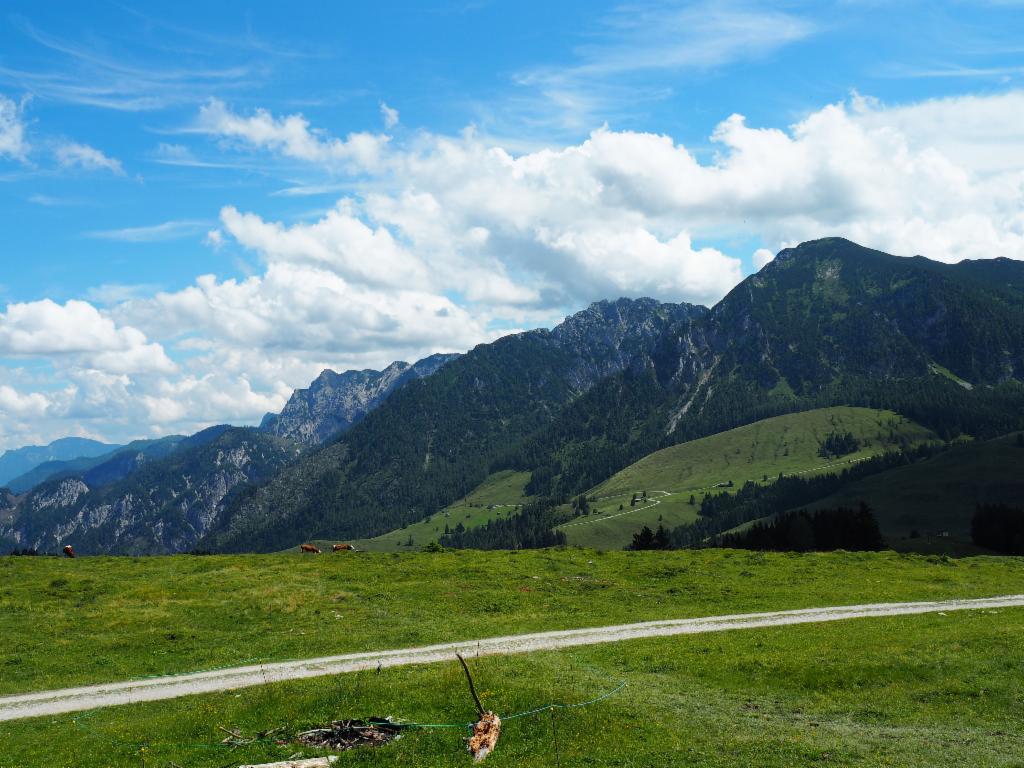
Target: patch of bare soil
349	734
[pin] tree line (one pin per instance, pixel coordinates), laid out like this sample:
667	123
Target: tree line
824	530
999	527
533	527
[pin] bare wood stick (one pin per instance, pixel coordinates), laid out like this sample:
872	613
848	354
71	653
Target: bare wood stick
315	730
472	688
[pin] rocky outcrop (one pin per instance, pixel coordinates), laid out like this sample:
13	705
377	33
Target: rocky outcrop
334	402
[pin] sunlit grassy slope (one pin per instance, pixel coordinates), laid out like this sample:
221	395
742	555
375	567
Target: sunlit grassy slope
786	444
757	452
902	691
499	495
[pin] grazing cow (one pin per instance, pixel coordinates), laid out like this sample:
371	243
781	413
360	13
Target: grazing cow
342	548
309	548
69	551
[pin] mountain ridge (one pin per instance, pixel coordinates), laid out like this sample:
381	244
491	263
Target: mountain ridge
828	322
98	470
334	401
454	424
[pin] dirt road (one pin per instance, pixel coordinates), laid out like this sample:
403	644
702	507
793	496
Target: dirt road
154	689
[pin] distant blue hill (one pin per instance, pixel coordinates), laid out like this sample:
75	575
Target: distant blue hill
107	468
18	461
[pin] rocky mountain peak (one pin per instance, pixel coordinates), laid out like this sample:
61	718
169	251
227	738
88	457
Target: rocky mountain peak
334	401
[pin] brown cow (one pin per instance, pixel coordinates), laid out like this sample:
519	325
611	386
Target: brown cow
309	548
69	551
342	548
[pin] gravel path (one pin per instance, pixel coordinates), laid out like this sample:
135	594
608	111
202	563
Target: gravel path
654	503
155	689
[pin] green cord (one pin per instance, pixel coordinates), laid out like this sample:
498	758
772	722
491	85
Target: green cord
527	713
468	726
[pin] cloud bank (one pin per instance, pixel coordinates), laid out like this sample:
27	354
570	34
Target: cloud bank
443	241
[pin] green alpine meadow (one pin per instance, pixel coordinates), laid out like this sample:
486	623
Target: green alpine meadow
484	383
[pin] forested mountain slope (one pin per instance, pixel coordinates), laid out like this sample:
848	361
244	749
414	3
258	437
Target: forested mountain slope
828	322
437	438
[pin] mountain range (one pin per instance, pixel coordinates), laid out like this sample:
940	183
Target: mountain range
20	460
829	322
363	452
102	469
161	496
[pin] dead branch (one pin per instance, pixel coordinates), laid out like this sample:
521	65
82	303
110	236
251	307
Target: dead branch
472	688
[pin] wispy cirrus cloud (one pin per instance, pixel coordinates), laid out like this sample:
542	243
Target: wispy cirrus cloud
74	155
182	156
674	36
116	293
650	39
12	130
168	230
311	190
954	71
49	201
95	76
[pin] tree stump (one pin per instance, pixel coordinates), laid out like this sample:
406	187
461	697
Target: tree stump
485	736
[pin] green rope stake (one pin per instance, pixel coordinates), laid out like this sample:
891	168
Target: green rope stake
516	716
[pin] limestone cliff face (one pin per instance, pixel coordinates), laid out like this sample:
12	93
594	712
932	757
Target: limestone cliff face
336	401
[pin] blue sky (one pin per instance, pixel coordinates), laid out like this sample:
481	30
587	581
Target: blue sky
205	204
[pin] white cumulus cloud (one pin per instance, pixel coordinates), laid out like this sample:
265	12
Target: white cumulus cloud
440	242
78	330
291	136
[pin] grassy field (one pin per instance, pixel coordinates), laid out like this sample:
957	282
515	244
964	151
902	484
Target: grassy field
788	444
939	495
906	691
500	495
67	622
